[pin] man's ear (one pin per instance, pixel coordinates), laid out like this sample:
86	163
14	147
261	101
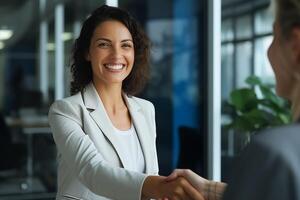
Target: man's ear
295	43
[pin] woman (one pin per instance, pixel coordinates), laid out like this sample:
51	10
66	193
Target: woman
269	167
105	136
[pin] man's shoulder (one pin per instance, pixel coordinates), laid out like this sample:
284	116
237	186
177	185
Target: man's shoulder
275	144
268	167
280	136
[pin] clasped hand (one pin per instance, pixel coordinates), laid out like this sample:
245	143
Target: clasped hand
182	184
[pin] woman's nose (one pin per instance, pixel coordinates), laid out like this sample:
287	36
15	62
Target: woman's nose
116	52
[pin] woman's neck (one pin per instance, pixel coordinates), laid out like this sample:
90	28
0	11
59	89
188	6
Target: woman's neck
111	97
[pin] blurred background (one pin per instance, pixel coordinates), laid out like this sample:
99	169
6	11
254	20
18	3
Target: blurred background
36	38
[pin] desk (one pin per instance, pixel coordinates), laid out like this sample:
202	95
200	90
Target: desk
31	125
32	121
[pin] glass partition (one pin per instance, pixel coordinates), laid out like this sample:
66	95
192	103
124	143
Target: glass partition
27	88
246	36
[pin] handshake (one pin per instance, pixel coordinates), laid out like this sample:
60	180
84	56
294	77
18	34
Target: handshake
182	184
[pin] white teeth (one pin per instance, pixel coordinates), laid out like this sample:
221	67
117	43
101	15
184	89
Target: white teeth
114	66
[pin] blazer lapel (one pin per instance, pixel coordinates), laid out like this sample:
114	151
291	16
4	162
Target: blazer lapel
93	101
142	129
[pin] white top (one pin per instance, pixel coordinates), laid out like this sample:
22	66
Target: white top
131	147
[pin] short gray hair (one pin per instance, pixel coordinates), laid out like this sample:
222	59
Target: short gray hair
287	14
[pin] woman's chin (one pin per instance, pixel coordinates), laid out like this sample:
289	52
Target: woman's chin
283	92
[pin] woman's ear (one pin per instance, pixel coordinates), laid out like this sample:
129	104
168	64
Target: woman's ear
295	43
87	56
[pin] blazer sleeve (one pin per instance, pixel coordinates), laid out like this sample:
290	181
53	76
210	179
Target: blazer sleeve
81	154
155	149
262	172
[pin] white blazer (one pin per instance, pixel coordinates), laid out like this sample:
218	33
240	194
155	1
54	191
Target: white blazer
91	165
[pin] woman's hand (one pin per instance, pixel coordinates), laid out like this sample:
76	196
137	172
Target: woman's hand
209	189
199	183
178	189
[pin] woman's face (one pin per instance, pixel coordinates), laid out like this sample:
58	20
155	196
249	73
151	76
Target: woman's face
111	53
280	56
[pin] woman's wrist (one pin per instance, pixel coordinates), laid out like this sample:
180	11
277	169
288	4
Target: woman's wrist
146	189
214	190
150	186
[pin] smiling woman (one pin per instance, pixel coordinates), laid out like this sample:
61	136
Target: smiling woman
105	136
111	53
93	35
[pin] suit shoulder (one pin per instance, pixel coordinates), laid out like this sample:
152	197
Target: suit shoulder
66	103
70	107
143	102
279	135
281	141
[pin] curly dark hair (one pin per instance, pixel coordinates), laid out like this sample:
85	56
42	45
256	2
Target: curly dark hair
81	69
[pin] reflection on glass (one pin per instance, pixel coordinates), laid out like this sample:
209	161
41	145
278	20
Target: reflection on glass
51	58
227	70
243	63
23	115
243	27
68	42
259	24
227	30
263	21
262	67
2	77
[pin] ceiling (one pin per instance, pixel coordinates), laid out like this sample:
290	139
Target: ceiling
23	17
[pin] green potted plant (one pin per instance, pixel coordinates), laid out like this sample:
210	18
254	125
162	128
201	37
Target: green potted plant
256	107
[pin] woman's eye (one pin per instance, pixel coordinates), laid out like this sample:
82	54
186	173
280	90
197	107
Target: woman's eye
127	45
103	45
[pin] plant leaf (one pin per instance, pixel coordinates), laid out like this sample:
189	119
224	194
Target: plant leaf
243	99
251	114
253	80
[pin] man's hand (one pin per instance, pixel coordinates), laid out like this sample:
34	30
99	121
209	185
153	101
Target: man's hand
199	183
209	189
178	189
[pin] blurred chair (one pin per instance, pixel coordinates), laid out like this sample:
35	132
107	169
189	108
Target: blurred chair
31	99
191	150
12	155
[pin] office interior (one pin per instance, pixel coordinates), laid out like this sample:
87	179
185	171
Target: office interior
36	38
